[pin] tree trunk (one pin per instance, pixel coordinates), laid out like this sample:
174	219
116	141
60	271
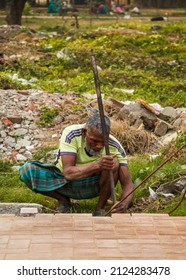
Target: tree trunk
2	4
15	12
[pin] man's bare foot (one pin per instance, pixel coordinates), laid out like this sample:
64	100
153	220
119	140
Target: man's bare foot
63	207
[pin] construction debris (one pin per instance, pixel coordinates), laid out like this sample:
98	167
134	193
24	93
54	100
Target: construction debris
136	125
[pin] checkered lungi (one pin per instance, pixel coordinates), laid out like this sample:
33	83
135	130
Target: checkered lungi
47	177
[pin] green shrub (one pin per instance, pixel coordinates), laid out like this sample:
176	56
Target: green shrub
47	115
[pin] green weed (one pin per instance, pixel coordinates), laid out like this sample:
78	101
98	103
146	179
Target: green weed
41	153
47	115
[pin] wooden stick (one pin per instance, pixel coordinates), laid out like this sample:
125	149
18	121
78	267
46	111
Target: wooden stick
102	117
179	203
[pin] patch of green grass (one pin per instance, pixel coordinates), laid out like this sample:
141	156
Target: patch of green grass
41	153
13	190
6	82
179	211
47	115
5	166
152	63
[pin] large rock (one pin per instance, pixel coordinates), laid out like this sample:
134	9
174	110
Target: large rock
168	114
135	111
180	122
14	208
161	128
174	186
168	138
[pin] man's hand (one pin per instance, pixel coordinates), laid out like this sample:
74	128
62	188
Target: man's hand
108	162
120	207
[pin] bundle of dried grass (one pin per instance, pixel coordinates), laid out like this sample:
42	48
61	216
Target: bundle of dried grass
134	140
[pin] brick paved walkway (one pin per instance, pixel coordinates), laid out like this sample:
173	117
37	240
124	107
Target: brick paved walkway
81	236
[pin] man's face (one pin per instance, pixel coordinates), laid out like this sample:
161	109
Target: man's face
94	142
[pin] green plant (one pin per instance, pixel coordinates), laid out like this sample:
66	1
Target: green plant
6	82
77	108
47	115
42	152
27	9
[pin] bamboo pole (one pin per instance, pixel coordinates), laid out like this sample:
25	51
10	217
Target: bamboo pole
105	134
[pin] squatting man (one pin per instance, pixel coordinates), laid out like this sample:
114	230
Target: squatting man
81	169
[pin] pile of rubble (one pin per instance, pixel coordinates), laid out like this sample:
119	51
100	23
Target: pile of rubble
9	31
152	117
21	135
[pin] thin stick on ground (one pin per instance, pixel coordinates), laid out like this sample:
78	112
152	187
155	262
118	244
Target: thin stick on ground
146	178
179	203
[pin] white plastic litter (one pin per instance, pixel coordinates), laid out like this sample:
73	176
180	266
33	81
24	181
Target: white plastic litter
153	194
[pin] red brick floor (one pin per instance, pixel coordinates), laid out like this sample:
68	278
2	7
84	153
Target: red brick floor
82	236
